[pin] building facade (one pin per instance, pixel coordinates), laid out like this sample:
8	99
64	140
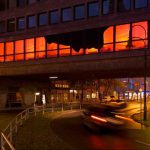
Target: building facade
72	40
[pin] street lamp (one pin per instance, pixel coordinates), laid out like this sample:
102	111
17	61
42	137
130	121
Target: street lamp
129	45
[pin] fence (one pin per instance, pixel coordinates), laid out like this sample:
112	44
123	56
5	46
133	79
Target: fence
12	128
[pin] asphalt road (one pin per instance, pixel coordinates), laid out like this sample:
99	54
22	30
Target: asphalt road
70	128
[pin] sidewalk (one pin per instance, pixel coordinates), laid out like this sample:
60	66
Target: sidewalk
138	117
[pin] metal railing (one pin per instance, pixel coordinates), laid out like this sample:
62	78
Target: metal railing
12	128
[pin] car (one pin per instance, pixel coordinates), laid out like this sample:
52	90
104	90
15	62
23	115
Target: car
103	117
106	99
118	103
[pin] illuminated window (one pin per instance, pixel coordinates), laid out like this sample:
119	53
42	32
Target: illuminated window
52	50
64	50
9	51
122	36
19	50
40	47
1	49
81	52
124	5
40	44
1	52
93	9
139	34
9	48
91	51
29	48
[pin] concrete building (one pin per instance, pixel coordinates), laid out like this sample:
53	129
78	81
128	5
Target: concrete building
72	40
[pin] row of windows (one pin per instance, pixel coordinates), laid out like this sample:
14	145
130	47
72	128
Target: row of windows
68	14
116	38
6	4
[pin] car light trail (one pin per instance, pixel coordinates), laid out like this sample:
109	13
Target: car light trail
124	118
98	118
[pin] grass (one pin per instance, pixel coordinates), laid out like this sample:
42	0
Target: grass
139	117
5	119
36	134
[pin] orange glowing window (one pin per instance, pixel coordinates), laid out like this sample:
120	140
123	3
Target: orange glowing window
139	30
63	46
108	35
40	44
107	48
40	55
139	44
19	57
19	46
91	51
2	59
29	56
81	52
64	52
52	53
122	32
52	46
122	46
1	48
29	45
9	58
9	48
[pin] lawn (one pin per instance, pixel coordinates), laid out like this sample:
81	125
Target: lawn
5	118
36	134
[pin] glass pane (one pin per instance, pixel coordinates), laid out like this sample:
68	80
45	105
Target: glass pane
31	21
108	35
81	52
91	51
54	17
2	59
40	44
52	53
141	3
124	5
9	48
107	48
19	46
21	23
122	32
29	45
1	48
42	19
64	52
52	46
79	12
139	30
122	46
140	44
67	14
108	6
19	57
63	46
40	55
29	56
9	58
93	9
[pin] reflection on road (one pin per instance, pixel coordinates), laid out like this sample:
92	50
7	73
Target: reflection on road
69	127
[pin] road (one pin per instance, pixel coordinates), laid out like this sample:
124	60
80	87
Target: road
70	128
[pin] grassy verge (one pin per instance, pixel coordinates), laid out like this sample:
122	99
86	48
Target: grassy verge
36	134
139	118
5	118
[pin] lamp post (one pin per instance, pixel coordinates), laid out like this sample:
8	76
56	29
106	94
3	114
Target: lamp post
145	67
